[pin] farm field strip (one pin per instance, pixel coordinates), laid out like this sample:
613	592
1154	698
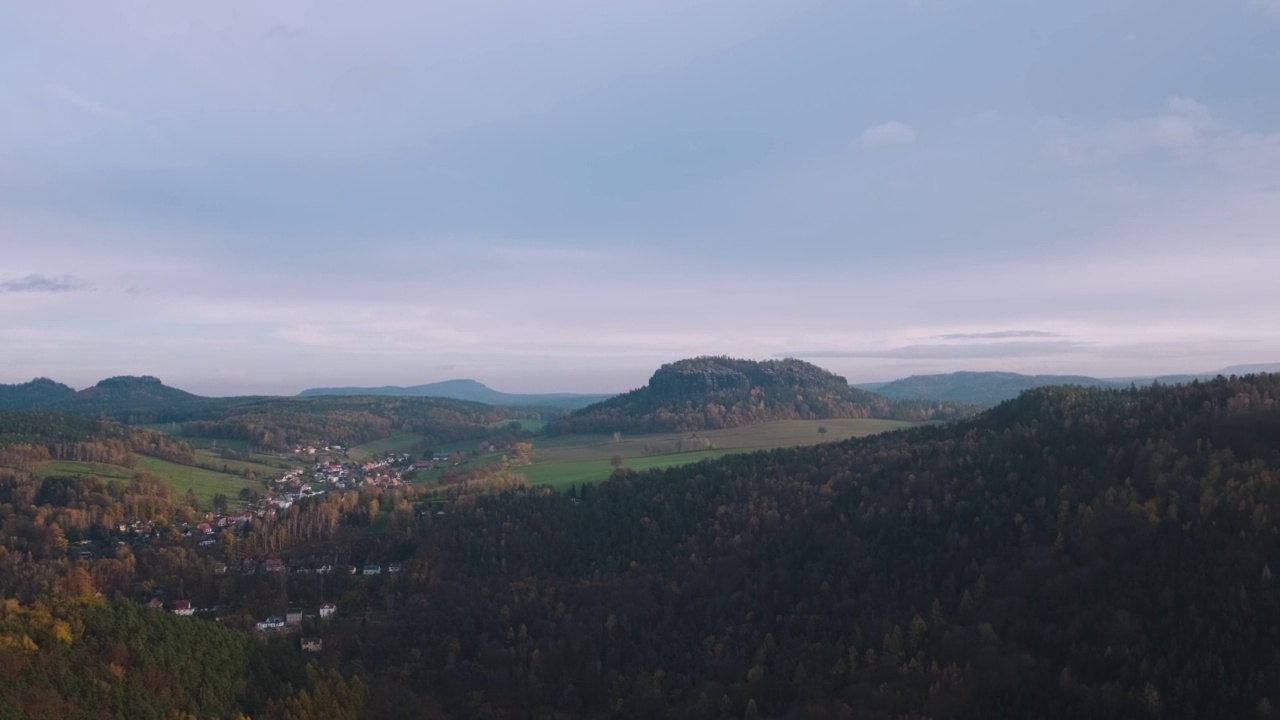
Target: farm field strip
576	459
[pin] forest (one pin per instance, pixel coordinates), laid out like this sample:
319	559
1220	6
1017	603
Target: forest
1071	553
280	423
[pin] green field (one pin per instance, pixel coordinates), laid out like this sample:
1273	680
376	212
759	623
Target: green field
434	475
402	443
525	424
204	483
561	475
577	459
263	465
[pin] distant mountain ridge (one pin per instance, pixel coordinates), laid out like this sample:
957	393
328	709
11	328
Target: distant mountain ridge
991	388
131	399
466	389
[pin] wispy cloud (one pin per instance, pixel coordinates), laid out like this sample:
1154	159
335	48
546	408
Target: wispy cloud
1025	349
889	133
43	284
1000	335
1268	7
75	99
1185	126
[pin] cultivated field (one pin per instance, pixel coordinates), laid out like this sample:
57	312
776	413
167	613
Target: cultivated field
577	459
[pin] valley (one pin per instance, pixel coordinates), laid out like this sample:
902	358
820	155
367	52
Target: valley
835	554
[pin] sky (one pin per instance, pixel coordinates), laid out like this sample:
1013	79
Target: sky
257	196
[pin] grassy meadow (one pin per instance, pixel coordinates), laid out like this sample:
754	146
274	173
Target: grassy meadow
204	483
576	459
525	424
403	443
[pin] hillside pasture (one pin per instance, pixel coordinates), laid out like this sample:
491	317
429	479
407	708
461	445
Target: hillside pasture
262	465
576	459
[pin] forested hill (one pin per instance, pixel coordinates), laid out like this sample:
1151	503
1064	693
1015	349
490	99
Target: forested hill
990	388
284	422
980	388
78	657
269	422
142	399
1072	553
717	392
39	393
28	438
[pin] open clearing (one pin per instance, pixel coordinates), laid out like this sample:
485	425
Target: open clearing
576	459
205	483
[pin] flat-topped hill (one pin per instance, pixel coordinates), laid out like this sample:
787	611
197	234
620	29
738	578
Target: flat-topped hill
718	392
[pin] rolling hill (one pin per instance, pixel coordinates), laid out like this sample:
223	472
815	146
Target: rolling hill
991	388
1076	552
269	422
41	392
468	390
981	388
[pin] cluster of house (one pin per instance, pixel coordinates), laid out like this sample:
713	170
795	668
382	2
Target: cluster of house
377	569
305	566
177	607
330	474
293	617
312	449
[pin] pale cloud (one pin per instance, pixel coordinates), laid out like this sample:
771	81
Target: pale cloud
889	133
1017	349
320	195
75	99
1269	7
1186	126
999	335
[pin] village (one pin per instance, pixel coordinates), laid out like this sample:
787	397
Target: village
328	472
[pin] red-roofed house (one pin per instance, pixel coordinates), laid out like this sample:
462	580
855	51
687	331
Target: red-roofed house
183	607
328	610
